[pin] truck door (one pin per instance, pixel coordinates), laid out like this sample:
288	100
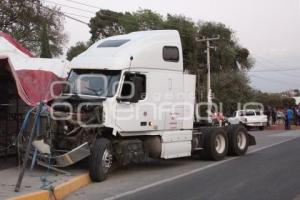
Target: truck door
132	113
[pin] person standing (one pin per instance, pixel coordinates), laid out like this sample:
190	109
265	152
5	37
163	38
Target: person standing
286	120
268	113
274	115
290	116
295	115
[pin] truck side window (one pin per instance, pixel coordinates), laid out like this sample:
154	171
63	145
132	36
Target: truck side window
250	113
127	86
130	81
143	91
141	88
170	54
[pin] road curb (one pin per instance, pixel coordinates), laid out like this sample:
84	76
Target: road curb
59	192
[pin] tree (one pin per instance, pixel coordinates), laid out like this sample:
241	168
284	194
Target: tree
106	23
276	100
228	52
77	49
25	20
45	46
148	20
230	89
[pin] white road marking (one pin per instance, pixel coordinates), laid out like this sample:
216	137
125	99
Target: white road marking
117	196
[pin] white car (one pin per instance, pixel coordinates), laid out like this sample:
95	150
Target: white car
249	118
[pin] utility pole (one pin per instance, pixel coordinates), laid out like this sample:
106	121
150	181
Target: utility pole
209	94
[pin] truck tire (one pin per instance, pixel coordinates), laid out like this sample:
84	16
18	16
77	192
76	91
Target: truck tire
100	160
261	128
215	144
238	140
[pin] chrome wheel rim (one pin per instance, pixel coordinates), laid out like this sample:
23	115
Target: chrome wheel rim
106	160
220	144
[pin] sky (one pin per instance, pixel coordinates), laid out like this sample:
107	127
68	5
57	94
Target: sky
270	29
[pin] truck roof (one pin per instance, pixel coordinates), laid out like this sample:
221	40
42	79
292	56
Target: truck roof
143	49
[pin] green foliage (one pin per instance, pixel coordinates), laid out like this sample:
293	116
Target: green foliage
45	47
148	20
77	49
230	88
24	21
228	52
106	23
276	100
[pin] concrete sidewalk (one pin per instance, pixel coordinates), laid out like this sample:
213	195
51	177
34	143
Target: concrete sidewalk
32	180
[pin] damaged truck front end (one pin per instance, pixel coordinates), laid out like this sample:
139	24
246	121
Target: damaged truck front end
77	117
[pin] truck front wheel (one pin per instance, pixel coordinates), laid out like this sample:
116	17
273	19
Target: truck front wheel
100	159
215	144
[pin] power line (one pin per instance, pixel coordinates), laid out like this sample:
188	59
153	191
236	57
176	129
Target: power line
277	70
60	12
281	82
83	16
286	73
78	20
266	61
83	4
71	7
131	21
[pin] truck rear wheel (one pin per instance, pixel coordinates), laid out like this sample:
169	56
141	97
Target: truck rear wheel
238	140
215	144
100	159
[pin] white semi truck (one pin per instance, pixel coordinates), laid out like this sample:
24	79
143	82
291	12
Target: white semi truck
127	99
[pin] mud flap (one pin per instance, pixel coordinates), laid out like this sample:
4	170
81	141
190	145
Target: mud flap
252	140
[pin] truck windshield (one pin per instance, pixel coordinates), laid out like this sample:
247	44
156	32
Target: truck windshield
100	83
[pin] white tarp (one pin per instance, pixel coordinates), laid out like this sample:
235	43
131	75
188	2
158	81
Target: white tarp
33	76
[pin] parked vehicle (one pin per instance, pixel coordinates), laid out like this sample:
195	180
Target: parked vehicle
249	118
128	98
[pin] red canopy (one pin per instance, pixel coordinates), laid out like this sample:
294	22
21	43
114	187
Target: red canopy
33	76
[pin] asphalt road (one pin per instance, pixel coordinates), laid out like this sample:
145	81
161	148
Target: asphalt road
273	173
271	170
